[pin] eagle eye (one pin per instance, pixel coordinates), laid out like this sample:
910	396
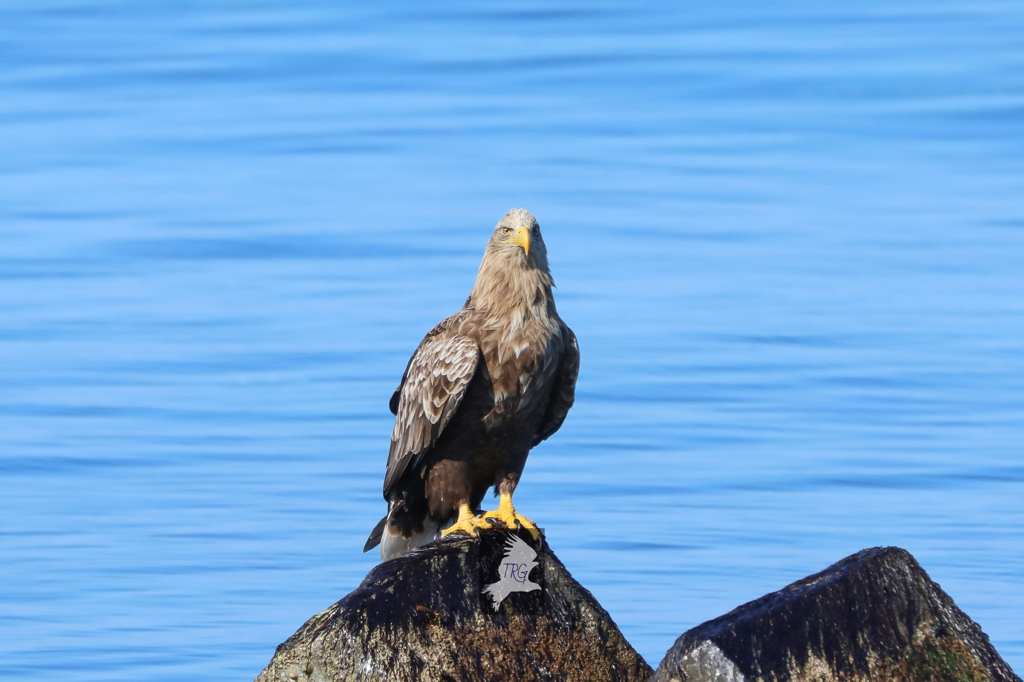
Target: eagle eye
506	230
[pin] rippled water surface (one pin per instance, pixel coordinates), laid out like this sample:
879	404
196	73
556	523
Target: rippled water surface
790	239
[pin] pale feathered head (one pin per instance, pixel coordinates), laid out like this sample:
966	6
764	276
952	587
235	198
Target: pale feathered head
514	273
517	241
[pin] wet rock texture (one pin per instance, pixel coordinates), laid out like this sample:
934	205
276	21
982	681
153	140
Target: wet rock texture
422	617
873	616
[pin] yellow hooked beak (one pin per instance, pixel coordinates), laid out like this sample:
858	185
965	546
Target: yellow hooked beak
523	238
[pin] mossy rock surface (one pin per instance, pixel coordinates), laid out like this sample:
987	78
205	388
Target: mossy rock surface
423	617
936	658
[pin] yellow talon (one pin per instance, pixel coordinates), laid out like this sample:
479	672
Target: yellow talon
506	514
467	523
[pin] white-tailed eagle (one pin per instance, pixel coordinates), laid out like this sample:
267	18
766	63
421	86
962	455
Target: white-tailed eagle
484	387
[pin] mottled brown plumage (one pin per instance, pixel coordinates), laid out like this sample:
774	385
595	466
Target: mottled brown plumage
484	386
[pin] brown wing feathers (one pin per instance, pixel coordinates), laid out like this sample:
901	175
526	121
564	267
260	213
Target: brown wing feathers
434	384
563	393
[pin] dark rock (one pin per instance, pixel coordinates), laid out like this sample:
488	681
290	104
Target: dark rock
873	616
423	616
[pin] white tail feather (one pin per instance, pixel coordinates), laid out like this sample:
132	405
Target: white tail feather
392	545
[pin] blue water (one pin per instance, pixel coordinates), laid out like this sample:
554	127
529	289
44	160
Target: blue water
789	237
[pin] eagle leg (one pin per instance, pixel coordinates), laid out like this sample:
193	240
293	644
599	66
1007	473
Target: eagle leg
467	523
506	514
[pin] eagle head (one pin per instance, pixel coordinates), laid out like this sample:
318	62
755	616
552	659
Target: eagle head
517	237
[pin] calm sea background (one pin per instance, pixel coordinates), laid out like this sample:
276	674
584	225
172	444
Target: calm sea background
790	239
